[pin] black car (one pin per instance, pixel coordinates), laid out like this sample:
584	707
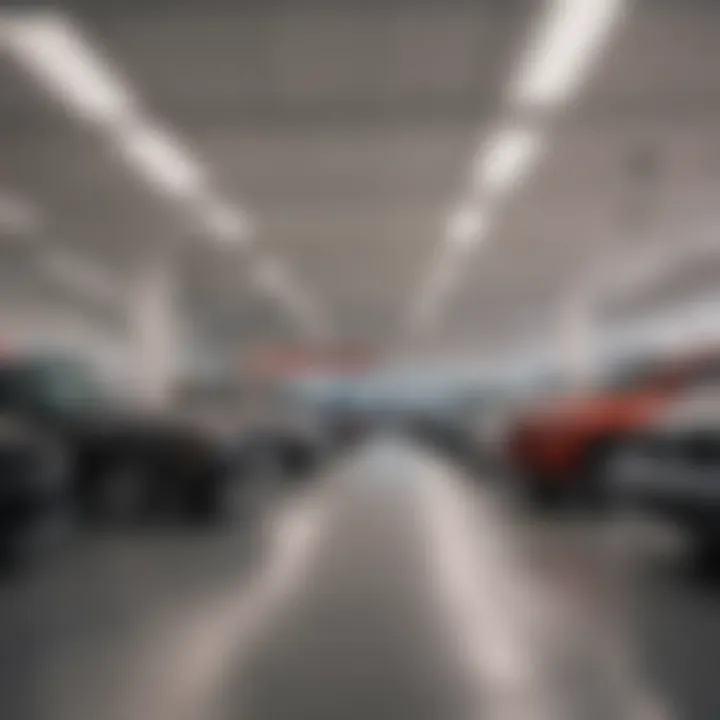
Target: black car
123	464
279	453
33	491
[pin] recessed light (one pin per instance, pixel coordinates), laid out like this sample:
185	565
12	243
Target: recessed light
571	36
161	159
506	159
50	47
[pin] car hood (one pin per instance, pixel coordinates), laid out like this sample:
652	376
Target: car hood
132	423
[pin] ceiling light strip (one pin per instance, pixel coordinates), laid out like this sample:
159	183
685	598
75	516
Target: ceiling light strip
161	159
506	160
569	40
52	49
561	52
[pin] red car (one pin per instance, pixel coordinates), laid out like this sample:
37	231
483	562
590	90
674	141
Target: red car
559	449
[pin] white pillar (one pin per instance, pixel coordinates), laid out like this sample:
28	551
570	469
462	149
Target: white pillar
154	327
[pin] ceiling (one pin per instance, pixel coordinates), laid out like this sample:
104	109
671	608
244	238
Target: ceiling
346	130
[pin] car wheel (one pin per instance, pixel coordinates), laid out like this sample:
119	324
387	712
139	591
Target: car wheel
217	502
707	548
11	555
544	493
594	484
38	524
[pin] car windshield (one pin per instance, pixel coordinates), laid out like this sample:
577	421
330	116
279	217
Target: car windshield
54	384
630	375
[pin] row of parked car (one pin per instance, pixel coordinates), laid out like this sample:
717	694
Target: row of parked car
646	437
650	439
71	453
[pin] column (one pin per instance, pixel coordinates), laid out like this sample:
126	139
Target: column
154	326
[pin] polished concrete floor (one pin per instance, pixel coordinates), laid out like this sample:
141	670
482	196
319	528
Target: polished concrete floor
392	587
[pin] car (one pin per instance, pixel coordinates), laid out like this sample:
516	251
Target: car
33	492
672	468
125	464
558	449
285	450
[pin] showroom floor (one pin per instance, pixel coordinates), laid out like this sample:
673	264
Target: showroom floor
392	587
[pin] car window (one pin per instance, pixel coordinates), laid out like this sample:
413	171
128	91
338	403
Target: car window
630	375
57	385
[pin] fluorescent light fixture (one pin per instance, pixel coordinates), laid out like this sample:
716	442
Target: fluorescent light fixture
466	227
52	49
561	53
506	159
158	156
571	36
226	224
